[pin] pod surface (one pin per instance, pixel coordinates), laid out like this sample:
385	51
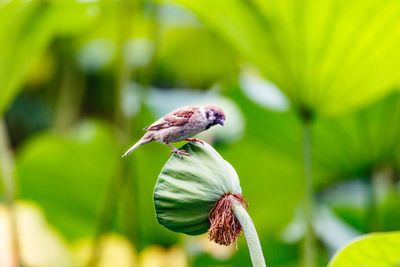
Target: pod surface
187	188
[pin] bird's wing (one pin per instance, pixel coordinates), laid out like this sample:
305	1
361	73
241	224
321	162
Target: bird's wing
177	117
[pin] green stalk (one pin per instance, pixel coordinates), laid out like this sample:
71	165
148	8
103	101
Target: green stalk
256	254
70	92
381	187
309	247
107	214
119	182
7	175
127	175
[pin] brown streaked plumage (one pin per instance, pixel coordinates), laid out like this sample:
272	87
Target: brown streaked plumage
181	124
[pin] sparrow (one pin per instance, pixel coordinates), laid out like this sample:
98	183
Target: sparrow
180	125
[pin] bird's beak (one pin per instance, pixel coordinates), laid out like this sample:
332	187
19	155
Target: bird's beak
220	121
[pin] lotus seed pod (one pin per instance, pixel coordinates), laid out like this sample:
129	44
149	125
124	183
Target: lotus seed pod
192	191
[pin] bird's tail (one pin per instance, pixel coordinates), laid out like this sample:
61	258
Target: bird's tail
148	137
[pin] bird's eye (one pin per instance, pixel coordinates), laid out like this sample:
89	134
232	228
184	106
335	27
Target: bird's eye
216	114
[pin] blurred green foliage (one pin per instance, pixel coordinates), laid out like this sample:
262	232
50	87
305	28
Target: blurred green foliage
71	199
26	30
328	56
384	249
79	81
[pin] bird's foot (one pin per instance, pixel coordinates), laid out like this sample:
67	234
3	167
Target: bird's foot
194	140
180	152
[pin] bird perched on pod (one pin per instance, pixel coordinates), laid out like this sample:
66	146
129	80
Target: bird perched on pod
180	125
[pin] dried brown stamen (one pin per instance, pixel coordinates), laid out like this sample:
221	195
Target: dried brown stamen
225	228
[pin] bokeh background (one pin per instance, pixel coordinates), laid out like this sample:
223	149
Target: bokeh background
80	79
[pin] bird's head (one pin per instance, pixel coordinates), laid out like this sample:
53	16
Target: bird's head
215	115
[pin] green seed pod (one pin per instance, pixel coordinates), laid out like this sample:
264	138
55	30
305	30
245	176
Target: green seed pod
192	191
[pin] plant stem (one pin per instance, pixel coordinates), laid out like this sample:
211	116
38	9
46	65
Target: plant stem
381	188
7	175
106	215
70	92
309	247
256	254
118	183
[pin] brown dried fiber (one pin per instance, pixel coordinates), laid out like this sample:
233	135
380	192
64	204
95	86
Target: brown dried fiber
225	228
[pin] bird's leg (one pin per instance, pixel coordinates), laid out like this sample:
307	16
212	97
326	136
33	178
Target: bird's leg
177	151
194	140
